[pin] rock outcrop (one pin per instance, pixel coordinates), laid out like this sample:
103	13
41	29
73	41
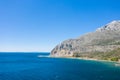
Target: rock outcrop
104	39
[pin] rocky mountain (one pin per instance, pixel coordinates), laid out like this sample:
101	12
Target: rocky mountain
104	39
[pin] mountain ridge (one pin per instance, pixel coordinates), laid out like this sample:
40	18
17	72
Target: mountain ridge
104	39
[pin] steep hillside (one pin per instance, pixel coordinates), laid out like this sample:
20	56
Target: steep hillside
103	40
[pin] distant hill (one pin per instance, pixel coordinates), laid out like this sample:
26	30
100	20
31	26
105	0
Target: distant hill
104	43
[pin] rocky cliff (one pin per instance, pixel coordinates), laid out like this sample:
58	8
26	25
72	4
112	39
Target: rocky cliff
104	39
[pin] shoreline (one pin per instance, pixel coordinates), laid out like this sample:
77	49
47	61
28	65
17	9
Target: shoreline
81	58
116	63
85	58
91	59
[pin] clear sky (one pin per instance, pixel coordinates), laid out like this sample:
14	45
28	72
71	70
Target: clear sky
39	25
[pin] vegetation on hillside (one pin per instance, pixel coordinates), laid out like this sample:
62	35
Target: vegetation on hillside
113	55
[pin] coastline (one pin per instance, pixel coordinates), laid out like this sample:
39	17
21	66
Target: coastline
85	58
116	63
81	58
91	59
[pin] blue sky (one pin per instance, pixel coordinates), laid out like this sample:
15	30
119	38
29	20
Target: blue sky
39	25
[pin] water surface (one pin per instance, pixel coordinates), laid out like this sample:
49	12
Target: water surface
27	66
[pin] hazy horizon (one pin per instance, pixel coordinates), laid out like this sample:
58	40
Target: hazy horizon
39	25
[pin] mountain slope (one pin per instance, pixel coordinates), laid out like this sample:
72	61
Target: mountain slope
104	39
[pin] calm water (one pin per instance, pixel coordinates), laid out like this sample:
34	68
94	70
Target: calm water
27	66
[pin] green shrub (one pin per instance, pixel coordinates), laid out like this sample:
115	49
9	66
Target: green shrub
114	59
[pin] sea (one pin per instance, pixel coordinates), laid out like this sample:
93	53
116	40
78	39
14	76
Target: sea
28	66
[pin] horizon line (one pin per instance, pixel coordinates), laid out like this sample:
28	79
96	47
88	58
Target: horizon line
23	52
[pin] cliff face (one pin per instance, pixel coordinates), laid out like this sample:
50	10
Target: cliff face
104	39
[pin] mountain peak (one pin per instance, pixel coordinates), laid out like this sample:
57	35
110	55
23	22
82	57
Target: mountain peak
113	26
97	45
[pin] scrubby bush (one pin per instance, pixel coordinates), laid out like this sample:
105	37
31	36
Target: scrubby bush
114	59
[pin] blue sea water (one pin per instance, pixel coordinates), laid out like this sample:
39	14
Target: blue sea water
27	66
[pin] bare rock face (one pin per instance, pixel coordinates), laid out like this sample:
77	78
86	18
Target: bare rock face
104	39
113	26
